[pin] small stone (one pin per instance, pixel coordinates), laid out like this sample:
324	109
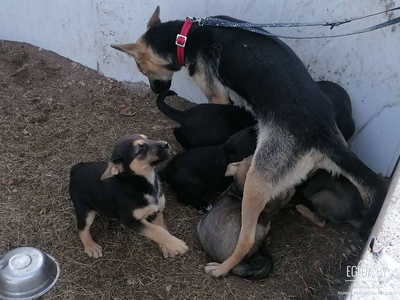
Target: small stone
74	64
40	49
14	190
82	83
26	132
121	105
168	288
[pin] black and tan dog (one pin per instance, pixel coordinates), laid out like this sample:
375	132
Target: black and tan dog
196	172
203	124
297	132
219	230
126	188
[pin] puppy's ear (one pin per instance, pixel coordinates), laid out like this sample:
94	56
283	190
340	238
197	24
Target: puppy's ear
155	18
112	170
232	169
136	50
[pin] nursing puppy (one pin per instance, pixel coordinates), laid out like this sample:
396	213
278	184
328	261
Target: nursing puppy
219	230
335	200
126	188
198	171
297	132
204	124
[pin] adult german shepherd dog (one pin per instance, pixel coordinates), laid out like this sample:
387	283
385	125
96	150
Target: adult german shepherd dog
296	127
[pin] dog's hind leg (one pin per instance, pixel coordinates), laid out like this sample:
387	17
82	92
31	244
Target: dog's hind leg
273	171
307	213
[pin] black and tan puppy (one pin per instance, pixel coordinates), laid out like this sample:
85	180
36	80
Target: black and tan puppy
126	188
219	230
198	171
203	124
333	199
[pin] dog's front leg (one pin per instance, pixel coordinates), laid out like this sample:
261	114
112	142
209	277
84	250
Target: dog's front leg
170	245
159	220
254	199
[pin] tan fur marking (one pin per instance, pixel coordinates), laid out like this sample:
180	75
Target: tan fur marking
307	213
160	221
139	142
92	249
215	92
142	167
143	136
144	212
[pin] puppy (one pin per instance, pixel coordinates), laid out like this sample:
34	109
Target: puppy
198	171
126	188
203	124
334	199
219	230
341	107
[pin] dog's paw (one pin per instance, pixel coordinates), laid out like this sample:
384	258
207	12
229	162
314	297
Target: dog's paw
93	250
302	209
214	269
174	247
208	207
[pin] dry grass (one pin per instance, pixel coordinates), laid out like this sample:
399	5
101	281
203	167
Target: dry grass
54	113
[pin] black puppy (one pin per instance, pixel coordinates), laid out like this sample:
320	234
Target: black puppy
204	124
198	171
128	189
341	107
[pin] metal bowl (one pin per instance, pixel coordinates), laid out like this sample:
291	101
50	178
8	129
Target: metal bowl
27	273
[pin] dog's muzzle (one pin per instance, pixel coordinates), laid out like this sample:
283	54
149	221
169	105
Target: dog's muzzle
159	86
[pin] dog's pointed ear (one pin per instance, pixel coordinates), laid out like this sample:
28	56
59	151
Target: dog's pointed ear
155	18
232	169
112	170
136	50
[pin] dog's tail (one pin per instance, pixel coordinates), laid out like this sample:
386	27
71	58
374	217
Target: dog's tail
362	177
258	267
167	110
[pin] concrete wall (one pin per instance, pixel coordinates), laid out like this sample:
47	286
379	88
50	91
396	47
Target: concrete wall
365	65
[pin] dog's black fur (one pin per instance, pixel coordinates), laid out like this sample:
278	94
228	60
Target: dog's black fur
120	188
198	171
204	124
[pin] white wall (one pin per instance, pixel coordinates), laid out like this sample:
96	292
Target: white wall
365	65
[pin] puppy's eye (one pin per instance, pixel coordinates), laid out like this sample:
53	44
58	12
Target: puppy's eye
140	150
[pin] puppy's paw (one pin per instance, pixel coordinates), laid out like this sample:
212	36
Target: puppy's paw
302	209
208	207
174	247
93	250
214	270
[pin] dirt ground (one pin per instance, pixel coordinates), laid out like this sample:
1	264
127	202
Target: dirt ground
55	113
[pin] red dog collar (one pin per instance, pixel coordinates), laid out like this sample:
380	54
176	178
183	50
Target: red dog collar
181	41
